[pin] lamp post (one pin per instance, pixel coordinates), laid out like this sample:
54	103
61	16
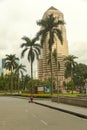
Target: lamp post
57	74
86	87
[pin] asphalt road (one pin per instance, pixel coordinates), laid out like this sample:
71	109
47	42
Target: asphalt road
18	114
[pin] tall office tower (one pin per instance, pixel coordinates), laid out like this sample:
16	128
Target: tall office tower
44	71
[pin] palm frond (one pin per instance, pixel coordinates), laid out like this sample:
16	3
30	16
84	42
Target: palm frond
37	49
23	45
36	54
25	38
61	22
51	40
23	52
29	57
59	35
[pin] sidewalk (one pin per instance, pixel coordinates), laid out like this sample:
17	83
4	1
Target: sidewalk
75	110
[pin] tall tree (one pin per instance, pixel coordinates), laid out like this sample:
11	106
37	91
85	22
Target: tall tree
80	75
33	50
26	79
70	65
11	64
50	29
19	70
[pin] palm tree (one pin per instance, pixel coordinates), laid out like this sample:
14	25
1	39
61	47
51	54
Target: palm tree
20	68
33	50
70	66
50	29
26	79
11	64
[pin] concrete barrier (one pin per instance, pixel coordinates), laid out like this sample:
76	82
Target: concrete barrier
71	101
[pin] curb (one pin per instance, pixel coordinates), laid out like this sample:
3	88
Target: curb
63	110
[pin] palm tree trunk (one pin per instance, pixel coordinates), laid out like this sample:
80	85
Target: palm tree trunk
51	74
18	83
57	79
11	81
72	78
31	76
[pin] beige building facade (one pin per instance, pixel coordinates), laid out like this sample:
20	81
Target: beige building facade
62	51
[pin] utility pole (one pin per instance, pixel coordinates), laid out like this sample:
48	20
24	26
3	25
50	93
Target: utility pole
57	74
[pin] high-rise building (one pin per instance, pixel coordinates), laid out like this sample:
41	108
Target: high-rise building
0	71
3	63
4	70
62	51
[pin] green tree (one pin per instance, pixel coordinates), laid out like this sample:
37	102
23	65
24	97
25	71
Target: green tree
2	82
33	50
11	64
71	86
80	76
19	70
50	29
81	69
70	64
26	79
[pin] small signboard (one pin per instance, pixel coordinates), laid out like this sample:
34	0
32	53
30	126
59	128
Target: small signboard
47	89
40	89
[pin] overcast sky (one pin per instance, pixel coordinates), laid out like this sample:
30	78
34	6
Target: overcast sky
18	18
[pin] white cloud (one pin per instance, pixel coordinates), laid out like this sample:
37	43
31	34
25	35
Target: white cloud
79	49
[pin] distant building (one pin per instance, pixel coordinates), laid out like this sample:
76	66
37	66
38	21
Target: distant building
4	70
62	51
3	63
1	71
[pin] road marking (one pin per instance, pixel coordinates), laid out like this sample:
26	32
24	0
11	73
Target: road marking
44	122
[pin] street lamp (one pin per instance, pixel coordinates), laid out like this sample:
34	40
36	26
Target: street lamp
57	74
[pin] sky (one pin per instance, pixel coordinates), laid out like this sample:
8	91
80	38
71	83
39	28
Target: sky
18	18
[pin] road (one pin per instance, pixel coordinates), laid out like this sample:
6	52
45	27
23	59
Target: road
18	114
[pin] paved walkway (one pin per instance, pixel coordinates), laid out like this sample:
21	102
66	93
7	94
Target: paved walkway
75	110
